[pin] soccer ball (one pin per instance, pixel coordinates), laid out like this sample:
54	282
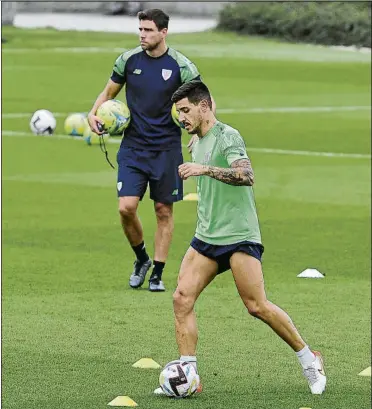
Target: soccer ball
43	122
91	138
179	379
115	116
175	116
75	124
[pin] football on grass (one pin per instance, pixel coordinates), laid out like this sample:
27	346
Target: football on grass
179	379
43	122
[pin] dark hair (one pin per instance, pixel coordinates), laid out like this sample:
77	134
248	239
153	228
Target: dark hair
195	91
160	19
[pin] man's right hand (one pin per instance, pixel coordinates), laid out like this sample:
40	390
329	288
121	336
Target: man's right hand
93	120
192	142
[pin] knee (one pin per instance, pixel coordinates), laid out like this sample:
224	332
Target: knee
163	212
259	310
182	302
127	210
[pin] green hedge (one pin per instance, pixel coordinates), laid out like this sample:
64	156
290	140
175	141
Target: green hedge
338	23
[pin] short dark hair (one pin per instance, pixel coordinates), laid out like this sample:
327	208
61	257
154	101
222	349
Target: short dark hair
195	91
158	16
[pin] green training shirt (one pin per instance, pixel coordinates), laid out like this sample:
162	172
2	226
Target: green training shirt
226	214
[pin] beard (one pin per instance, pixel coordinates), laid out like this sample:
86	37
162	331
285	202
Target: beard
192	130
150	47
195	127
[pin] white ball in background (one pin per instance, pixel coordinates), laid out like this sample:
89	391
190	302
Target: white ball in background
43	122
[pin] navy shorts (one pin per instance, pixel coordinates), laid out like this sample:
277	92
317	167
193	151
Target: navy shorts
222	254
159	169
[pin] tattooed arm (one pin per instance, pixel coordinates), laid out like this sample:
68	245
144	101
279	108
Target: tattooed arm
239	174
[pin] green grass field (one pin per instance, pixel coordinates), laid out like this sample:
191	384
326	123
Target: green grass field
72	327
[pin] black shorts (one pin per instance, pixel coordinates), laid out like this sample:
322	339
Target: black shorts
159	169
222	254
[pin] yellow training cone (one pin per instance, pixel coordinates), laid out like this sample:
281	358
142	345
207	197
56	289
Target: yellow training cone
123	401
191	197
366	372
146	363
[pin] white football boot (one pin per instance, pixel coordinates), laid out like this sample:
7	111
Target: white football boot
159	391
315	375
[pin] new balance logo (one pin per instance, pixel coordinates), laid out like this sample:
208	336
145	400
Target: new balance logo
137	71
175	192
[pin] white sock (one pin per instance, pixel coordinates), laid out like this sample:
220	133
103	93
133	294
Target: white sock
305	356
191	359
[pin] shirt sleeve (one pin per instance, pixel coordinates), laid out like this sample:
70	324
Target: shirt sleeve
189	72
232	147
118	73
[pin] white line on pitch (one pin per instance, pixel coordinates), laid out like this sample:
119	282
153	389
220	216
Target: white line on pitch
310	153
238	110
285	110
258	150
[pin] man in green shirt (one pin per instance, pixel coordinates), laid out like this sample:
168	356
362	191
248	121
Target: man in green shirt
227	232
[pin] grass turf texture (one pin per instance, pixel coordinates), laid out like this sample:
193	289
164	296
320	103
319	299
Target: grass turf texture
72	328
